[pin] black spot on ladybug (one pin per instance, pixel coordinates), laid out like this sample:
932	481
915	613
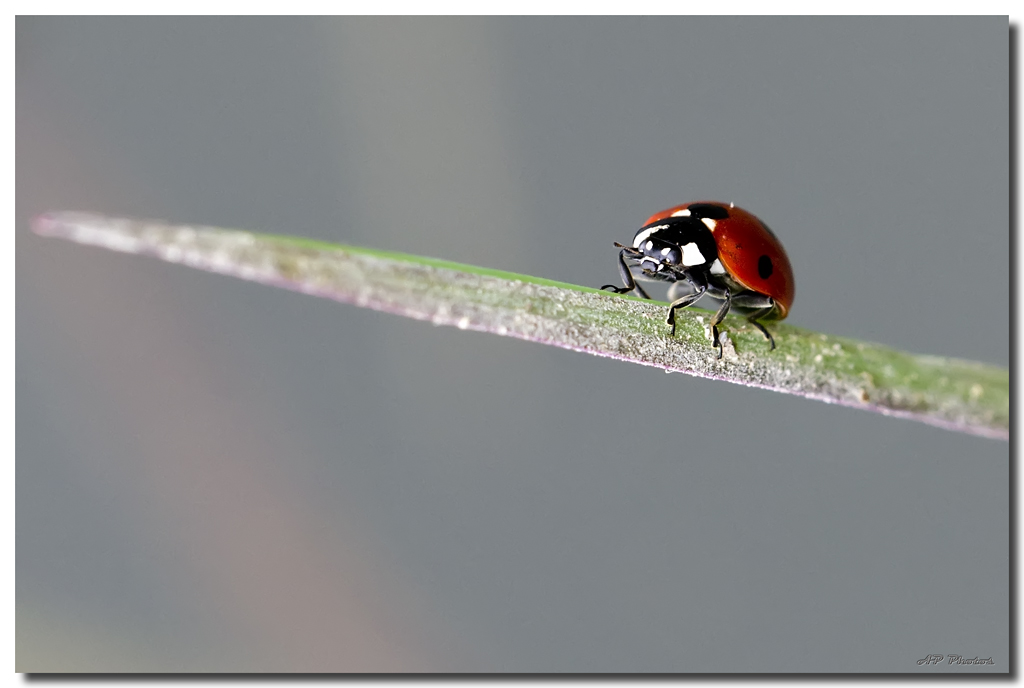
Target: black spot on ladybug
768	229
708	210
764	267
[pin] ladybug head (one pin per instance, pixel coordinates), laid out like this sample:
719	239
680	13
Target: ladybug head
655	255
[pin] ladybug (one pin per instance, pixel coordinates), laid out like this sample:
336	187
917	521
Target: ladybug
721	251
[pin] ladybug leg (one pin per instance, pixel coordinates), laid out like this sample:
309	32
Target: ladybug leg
765	305
682	302
701	286
719	317
752	318
627	276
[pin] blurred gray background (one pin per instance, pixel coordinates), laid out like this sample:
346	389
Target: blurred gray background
214	475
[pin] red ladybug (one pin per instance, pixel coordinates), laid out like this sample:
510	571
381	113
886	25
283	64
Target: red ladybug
723	252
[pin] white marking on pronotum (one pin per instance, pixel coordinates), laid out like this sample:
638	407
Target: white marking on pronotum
650	245
692	255
685	212
716	268
642	236
665	251
709	222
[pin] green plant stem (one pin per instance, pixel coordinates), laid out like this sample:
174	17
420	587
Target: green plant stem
950	393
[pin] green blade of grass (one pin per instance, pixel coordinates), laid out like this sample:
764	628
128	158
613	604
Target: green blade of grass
950	393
